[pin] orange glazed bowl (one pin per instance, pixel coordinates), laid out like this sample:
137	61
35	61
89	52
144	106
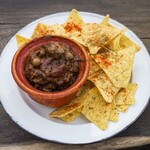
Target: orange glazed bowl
56	98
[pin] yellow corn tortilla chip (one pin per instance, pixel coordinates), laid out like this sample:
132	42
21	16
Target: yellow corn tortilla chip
40	30
121	41
75	17
126	95
104	85
44	29
73	31
78	39
73	28
115	44
105	20
114	115
117	65
126	42
60	30
95	36
96	109
57	29
75	104
21	40
70	117
94	67
122	108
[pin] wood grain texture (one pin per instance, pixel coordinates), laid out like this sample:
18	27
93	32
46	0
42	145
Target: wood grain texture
14	14
116	143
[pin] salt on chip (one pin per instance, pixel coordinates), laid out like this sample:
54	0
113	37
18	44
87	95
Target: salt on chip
75	104
75	17
71	116
104	85
117	65
126	95
96	109
114	115
96	36
122	108
21	40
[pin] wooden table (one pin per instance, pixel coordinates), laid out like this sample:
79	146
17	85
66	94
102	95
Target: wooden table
14	14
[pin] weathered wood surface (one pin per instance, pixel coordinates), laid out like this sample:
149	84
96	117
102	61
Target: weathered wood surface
14	14
118	143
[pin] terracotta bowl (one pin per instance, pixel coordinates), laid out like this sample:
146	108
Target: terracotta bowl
54	99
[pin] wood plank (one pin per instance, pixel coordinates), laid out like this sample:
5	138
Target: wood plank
27	11
116	143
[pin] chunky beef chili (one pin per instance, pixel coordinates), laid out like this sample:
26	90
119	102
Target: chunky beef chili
52	67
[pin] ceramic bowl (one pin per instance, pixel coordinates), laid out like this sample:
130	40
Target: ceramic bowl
54	99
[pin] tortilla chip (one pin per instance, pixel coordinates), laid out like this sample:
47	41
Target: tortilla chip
104	85
71	27
115	44
69	30
70	117
21	40
94	67
105	20
114	115
57	29
44	29
78	38
126	42
73	31
117	65
96	109
122	108
126	95
75	17
121	41
40	30
75	104
95	36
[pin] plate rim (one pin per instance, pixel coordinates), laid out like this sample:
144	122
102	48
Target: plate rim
65	13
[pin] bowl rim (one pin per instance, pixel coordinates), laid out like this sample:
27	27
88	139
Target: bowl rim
63	93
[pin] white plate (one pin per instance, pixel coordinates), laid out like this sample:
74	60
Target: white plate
33	117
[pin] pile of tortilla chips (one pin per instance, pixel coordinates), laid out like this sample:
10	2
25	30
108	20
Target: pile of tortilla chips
107	90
